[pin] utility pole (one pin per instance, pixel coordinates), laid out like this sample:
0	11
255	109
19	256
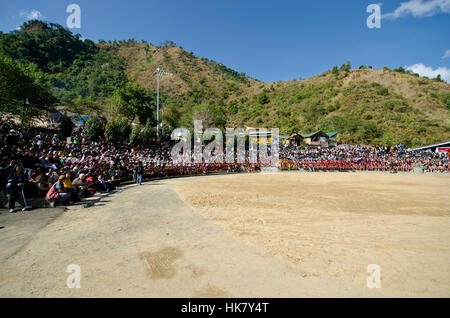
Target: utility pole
159	73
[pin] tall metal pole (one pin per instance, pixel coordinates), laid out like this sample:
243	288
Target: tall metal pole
157	99
159	72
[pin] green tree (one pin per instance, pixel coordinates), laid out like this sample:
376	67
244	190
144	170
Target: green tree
136	135
117	130
94	129
148	134
335	70
66	125
346	67
171	114
438	78
164	132
84	106
134	101
24	90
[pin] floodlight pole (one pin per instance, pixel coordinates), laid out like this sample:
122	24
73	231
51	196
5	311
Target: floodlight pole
158	71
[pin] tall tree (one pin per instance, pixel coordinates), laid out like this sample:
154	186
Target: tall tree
134	101
24	90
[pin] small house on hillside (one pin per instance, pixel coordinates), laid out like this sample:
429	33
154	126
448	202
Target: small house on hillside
316	138
320	138
293	140
332	138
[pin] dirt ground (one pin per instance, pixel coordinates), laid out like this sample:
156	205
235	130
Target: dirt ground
255	235
336	224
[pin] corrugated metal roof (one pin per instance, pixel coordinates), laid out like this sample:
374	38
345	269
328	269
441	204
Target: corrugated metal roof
311	134
332	134
432	146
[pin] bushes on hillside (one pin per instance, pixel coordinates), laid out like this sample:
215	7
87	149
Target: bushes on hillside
263	99
399	69
370	131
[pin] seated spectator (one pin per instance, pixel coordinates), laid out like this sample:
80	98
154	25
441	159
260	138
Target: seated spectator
57	193
70	188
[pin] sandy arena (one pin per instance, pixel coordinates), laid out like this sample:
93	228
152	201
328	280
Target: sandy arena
287	234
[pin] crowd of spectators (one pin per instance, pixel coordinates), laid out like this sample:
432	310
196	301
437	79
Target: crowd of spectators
362	158
65	170
39	163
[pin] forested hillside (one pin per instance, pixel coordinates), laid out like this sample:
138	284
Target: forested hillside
116	79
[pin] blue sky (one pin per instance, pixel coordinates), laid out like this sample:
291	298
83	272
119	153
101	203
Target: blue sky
268	40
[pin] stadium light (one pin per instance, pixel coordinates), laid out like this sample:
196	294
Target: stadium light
159	73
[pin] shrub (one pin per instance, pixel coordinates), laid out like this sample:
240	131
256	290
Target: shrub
370	131
148	133
367	116
335	70
346	67
66	125
94	128
399	69
263	99
233	108
401	107
164	132
117	130
380	89
136	135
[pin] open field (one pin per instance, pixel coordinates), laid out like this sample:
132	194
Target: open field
246	235
335	224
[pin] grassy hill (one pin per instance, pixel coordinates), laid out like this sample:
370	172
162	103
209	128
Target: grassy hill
364	105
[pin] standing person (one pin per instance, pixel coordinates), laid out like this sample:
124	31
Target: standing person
139	173
16	182
6	166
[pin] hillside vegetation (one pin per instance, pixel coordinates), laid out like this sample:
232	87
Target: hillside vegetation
118	78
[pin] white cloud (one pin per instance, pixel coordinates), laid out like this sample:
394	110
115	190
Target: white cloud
419	9
446	54
31	14
428	71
